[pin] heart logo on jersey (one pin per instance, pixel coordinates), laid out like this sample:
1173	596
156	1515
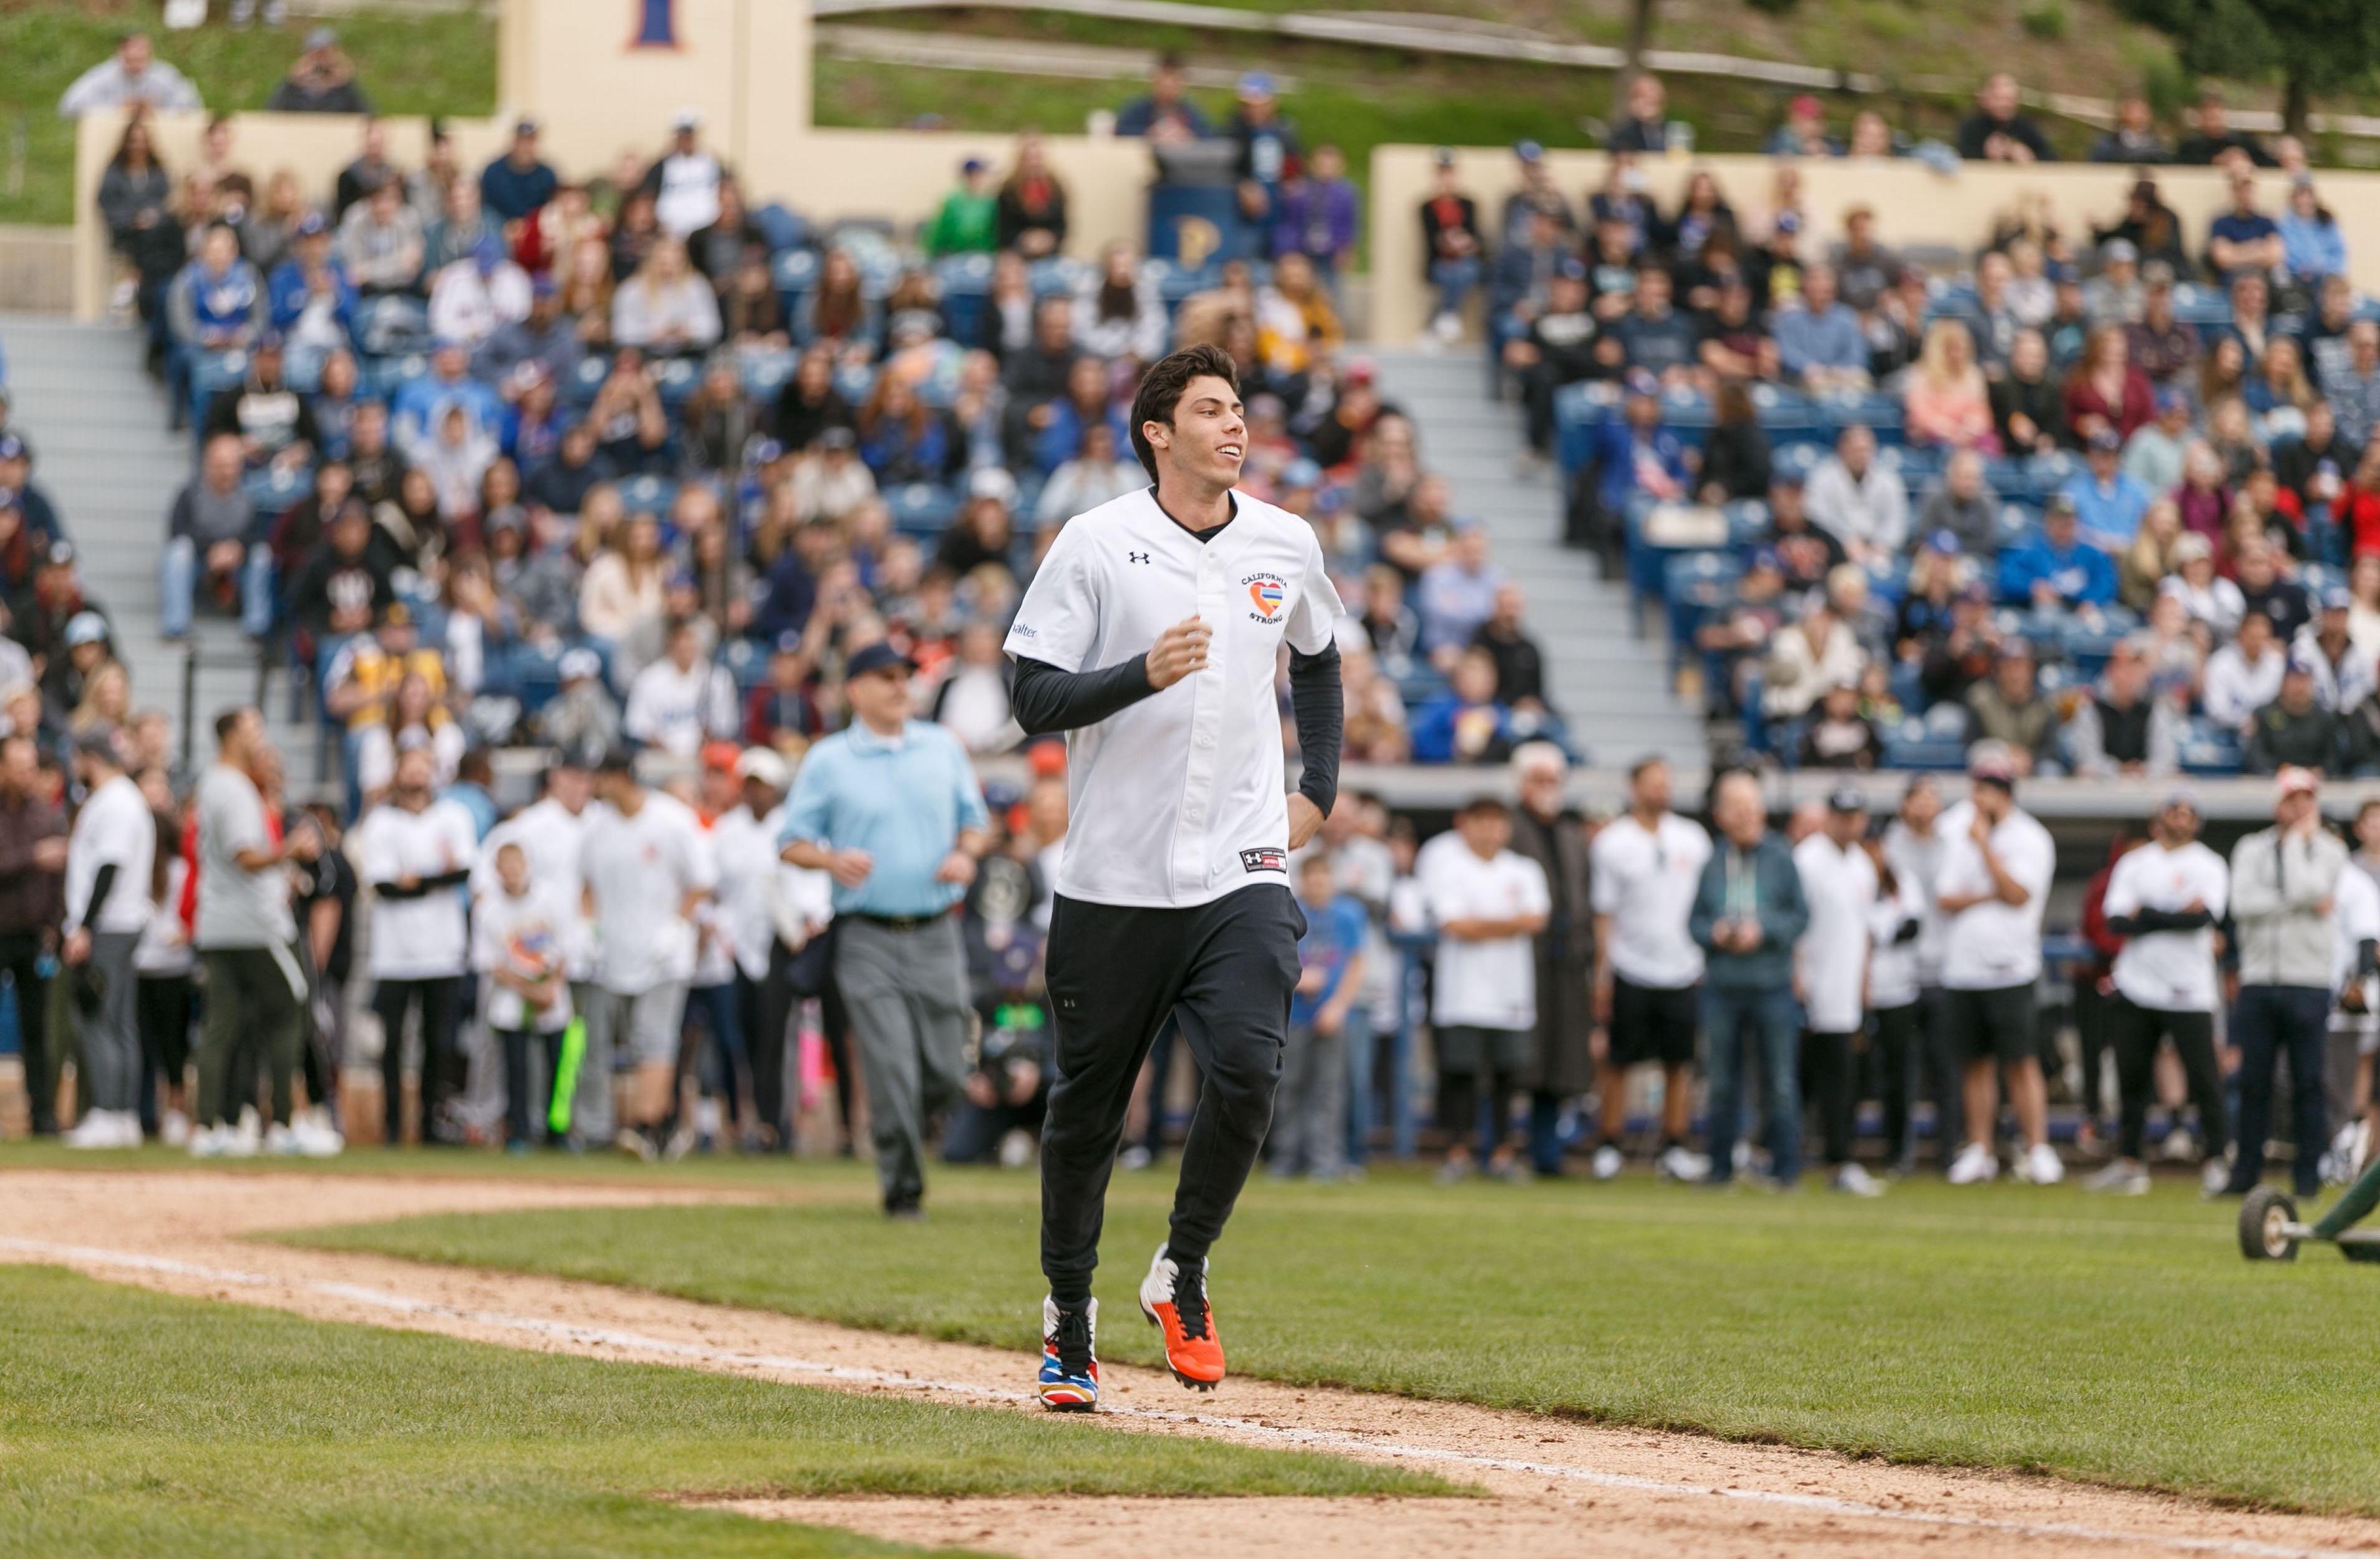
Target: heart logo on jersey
1269	591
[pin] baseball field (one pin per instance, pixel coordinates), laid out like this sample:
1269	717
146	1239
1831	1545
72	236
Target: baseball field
458	1355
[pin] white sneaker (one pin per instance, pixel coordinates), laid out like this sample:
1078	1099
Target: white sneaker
1679	1162
2179	1147
2121	1179
1447	327
1854	1181
250	1131
635	1144
2215	1178
282	1142
174	1129
207	1143
316	1137
1134	1159
1016	1149
2040	1165
1609	1162
1973	1166
104	1130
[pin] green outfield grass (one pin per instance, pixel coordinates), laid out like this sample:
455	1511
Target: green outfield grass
2124	1342
133	1423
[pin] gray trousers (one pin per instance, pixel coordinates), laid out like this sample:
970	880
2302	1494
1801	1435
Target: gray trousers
111	1036
906	993
591	1116
1309	1109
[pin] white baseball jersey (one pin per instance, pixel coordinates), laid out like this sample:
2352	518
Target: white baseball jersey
1179	798
2169	971
1840	883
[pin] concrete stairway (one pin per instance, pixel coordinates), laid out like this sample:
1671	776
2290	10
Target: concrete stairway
1612	684
97	426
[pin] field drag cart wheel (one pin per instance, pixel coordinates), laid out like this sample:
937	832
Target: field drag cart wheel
2264	1219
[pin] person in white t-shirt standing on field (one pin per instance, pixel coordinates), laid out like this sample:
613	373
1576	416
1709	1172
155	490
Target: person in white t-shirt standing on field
1152	634
683	700
2165	898
1830	964
1648	971
416	853
110	856
646	870
550	833
1993	890
1488	903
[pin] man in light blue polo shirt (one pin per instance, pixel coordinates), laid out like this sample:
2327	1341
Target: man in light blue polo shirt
2108	500
890	809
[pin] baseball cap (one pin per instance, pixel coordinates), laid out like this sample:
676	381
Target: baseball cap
1990	763
2015	647
11	447
1803	106
2105	441
2192	547
1443	156
687	119
398	614
2337	598
760	764
98	741
1527	150
577	665
2291	779
1571	269
1361	372
2298	666
525	125
269	341
838	438
1642	383
322	37
2179	796
2158	273
768	451
1847	797
85	627
1944	540
616	760
1256	85
992	482
788	644
311	226
973	164
725	756
2117	252
876	657
2058	503
1768	559
2171	399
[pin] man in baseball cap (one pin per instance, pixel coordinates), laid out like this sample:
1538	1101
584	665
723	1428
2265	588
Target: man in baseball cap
1992	891
1838	879
2284	881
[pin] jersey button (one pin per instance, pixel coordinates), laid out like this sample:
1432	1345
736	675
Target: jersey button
1205	739
1194	814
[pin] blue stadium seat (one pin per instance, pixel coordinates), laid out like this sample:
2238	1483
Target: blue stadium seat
781	228
765	375
746	661
796	272
2209	749
1796	459
855	382
921	508
585	379
1057	274
274	491
647	495
675	379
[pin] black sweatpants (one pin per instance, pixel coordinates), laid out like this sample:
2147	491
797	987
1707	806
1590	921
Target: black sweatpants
2134	1031
165	1005
1896	1039
792	978
442	1067
1225	970
1828	1075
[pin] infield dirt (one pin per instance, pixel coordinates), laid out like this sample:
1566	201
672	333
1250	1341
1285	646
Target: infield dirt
1555	1487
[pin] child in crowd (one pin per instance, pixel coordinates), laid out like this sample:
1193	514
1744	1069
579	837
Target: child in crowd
1309	1113
517	934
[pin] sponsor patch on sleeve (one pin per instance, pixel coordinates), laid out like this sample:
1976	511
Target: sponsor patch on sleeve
1267	858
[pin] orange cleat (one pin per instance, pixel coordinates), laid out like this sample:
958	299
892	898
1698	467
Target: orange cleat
1176	1302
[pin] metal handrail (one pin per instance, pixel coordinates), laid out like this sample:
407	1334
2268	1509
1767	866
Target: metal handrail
193	660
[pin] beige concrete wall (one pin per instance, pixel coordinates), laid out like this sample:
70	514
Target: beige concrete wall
36	269
1912	204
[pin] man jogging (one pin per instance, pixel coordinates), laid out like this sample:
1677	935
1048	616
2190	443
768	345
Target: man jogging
2283	882
1150	635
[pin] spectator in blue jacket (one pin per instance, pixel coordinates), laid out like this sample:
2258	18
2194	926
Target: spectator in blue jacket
1167	114
1748	913
215	304
2109	501
1633	454
518	182
1466	724
419	403
2059	568
1820	343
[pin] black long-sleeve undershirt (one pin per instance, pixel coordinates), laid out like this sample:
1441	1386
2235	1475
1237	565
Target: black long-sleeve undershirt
2145	922
101	886
1044	698
425	886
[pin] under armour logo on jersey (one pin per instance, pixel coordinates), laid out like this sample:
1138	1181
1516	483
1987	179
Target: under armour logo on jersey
1135	557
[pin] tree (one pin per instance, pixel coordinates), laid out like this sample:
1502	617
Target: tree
2313	46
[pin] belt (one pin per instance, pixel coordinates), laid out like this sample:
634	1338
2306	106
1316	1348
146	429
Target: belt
899	922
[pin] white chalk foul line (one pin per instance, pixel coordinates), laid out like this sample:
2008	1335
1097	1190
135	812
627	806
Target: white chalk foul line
599	1337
